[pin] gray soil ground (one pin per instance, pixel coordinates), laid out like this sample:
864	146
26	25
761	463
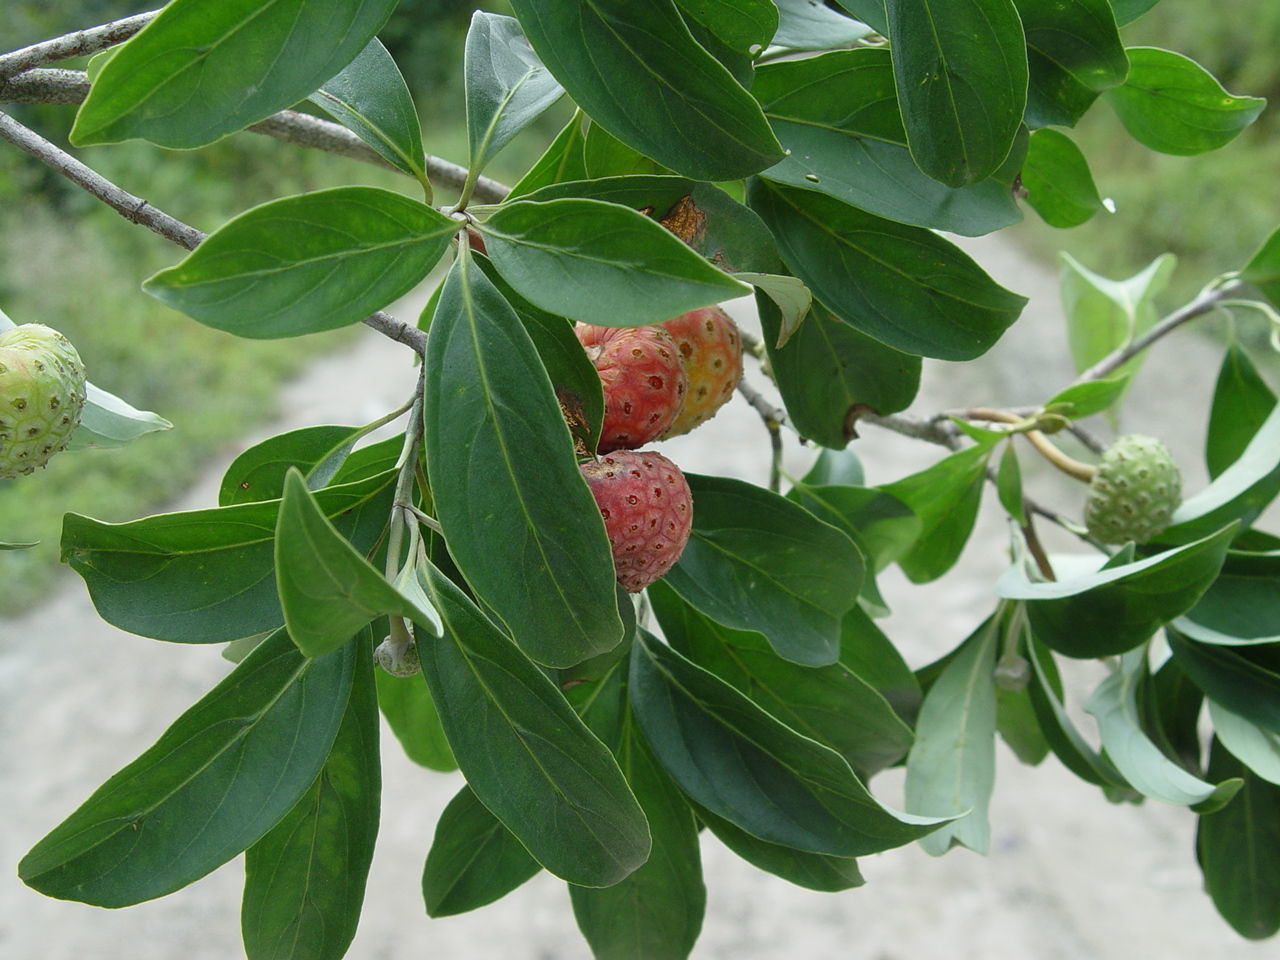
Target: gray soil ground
1069	875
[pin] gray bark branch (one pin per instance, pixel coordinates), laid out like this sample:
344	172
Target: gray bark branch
80	43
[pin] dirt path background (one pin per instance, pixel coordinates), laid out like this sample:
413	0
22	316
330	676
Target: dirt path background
1069	875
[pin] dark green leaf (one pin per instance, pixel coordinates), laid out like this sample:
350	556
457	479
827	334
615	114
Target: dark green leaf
881	524
835	468
604	155
952	765
258	473
905	286
559	162
756	561
524	751
1263	269
1074	52
411	715
1233	676
206	576
961	72
1170	706
849	91
305	880
473	861
832	705
1241	492
1106	613
198	72
519	519
1172	104
214	784
867	652
507	85
1018	725
1009	484
741	24
328	590
369	97
656	912
1129	10
812	25
871	12
776	784
307	263
945	497
1241	607
1057	180
1239	851
636	70
1241	403
813	871
1114	704
1104	314
574	256
830	373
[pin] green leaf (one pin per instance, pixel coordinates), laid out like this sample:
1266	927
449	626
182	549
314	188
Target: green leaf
952	765
5	545
740	25
561	161
945	497
411	715
573	256
370	98
882	525
205	576
871	12
1114	704
1106	613
1256	748
829	374
1073	52
1242	679
637	71
604	155
1129	10
108	421
1242	402
837	115
867	652
1263	269
1082	400
811	25
1239	851
656	912
473	861
258	473
524	751
1018	725
1241	492
328	590
507	86
308	263
215	783
961	72
758	562
305	880
1241	607
518	517
813	871
1009	485
1172	104
195	74
1057	179
792	298
1104	314
770	781
902	285
833	705
1064	739
835	468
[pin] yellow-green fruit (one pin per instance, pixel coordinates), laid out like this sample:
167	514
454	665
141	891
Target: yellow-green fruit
1135	491
42	392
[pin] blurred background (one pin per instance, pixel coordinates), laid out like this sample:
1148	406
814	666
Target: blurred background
1069	876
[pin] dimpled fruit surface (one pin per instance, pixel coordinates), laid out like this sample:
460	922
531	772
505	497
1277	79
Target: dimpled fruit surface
711	349
643	379
42	392
1135	491
647	510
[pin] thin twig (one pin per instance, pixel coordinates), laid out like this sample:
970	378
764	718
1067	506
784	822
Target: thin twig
79	43
136	210
1206	302
1032	540
1043	445
937	429
773	420
299	129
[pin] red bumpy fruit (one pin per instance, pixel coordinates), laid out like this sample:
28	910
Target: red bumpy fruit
711	349
647	510
643	378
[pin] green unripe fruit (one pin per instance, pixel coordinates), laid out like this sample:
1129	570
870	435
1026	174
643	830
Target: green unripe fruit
42	391
1134	493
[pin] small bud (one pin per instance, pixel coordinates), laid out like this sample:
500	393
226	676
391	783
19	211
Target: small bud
1013	673
398	658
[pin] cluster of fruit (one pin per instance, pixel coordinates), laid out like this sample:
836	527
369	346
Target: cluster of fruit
42	391
659	381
